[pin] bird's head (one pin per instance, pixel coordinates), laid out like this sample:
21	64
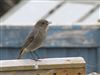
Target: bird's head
42	24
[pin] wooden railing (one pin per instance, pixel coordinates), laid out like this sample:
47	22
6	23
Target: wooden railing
47	66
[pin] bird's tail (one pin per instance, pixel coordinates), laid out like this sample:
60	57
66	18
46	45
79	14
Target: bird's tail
20	54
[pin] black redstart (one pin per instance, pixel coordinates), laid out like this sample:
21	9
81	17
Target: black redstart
35	37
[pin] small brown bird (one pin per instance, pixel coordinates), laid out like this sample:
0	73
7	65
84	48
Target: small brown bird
35	37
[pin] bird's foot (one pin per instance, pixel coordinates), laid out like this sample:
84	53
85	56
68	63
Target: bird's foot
36	59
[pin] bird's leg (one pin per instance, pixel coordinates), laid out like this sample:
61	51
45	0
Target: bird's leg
31	54
36	59
36	55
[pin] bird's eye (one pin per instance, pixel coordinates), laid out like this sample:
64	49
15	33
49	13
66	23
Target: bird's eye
43	23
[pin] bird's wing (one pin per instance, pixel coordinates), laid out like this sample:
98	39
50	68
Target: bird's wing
30	38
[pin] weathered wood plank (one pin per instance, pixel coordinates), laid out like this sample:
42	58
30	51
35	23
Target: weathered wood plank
47	66
73	36
48	63
74	71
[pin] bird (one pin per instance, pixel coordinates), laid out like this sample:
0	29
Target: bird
35	38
